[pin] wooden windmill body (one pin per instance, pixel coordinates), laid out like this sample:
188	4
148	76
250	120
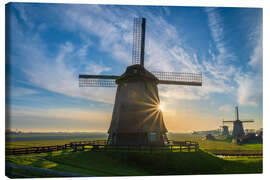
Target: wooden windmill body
137	118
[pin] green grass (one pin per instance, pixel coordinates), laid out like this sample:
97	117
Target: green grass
18	144
138	163
221	144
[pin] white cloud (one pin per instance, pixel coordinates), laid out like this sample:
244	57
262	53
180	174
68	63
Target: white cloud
22	9
20	92
113	28
59	77
179	93
217	31
93	68
249	89
226	108
56	73
256	58
250	84
164	51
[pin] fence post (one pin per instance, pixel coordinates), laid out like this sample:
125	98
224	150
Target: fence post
82	147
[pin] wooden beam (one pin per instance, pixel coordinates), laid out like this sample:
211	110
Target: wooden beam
85	76
180	83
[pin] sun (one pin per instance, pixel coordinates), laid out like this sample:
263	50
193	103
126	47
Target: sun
161	107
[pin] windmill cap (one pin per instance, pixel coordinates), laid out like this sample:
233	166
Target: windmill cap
135	72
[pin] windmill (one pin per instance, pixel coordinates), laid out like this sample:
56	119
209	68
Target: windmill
225	130
137	118
238	129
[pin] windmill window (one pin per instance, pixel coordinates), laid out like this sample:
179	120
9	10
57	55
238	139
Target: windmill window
135	71
152	136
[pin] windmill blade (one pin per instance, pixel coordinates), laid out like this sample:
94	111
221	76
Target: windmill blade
138	41
228	121
190	79
248	121
243	121
97	80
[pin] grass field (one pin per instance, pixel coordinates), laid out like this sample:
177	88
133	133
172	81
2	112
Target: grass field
215	144
136	163
42	140
30	140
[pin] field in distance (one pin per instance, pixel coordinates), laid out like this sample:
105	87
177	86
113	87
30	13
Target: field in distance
219	144
21	140
44	139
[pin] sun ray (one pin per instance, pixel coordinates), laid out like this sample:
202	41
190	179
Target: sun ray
154	121
155	93
148	117
161	107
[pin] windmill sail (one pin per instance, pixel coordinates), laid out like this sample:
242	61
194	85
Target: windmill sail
190	79
138	41
97	80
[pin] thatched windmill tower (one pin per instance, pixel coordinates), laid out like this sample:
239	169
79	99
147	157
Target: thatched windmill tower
137	118
238	129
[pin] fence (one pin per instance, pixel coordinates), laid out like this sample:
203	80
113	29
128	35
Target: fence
101	145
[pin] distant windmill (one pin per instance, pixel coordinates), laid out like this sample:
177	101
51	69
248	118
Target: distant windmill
238	129
225	130
137	118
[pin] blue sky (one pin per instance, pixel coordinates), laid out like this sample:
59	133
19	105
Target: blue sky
48	45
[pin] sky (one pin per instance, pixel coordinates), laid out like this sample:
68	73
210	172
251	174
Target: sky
49	45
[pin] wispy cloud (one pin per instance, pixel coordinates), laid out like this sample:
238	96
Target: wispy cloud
217	31
249	91
250	83
20	92
57	73
112	26
226	107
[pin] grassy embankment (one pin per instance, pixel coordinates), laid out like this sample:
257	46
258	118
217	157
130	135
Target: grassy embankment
139	163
